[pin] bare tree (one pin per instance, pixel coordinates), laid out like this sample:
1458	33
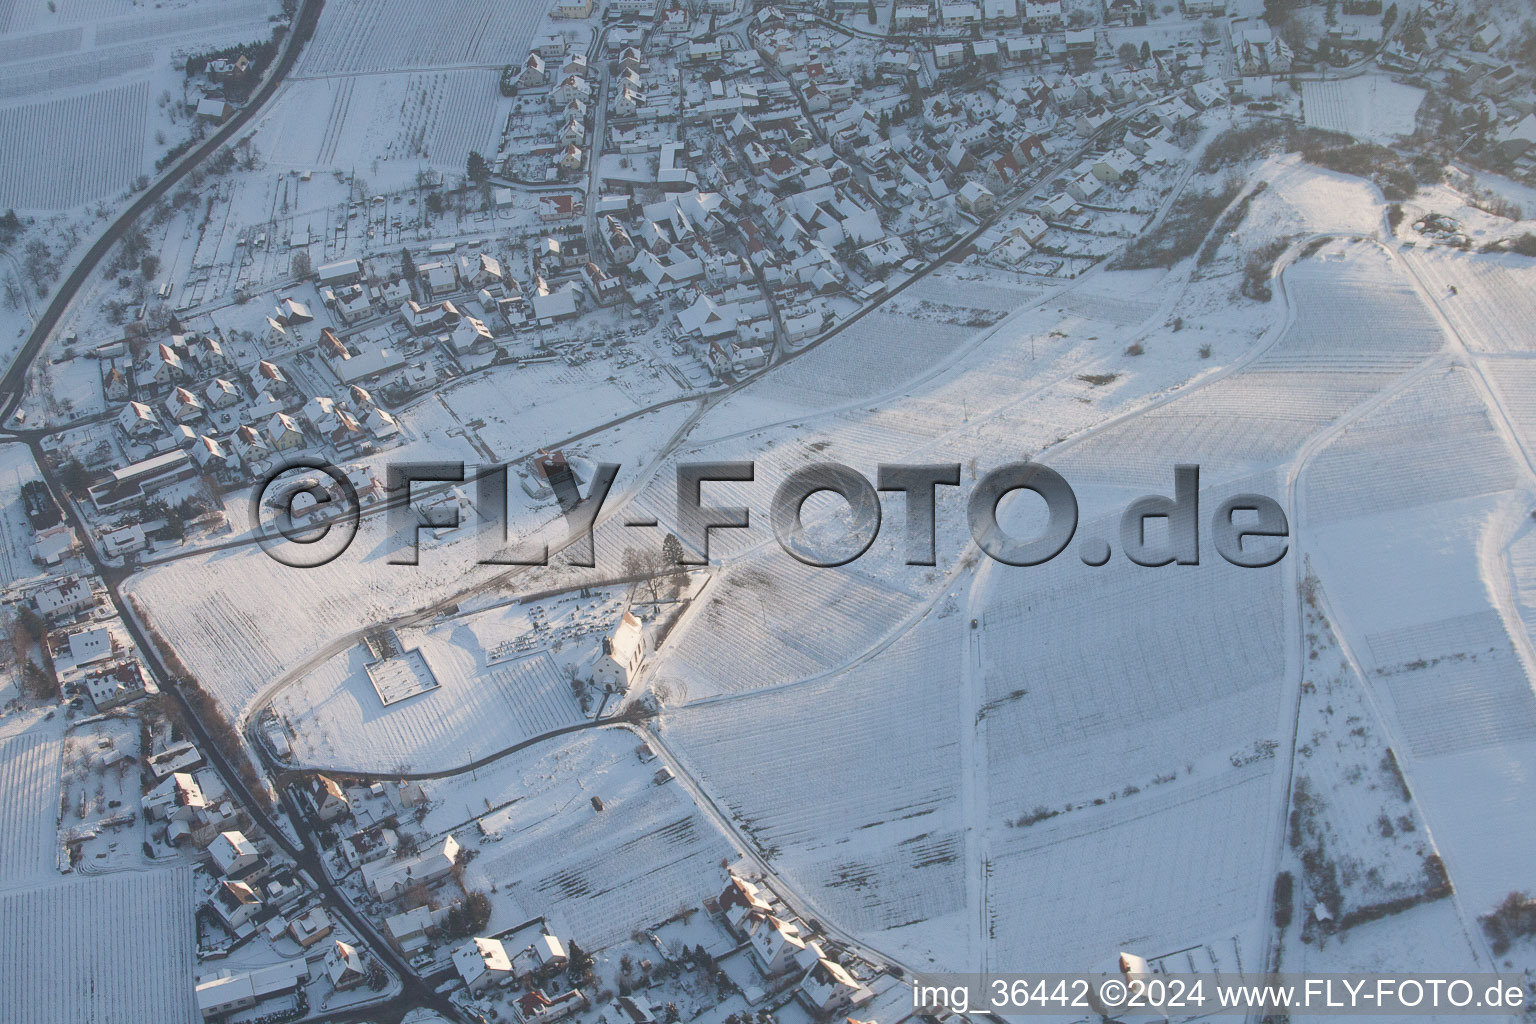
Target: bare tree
649	568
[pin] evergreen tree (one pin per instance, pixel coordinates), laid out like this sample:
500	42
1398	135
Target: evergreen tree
476	169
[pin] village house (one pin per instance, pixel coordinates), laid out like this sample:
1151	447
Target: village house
234	855
411	930
421	319
482	964
329	798
221	394
739	902
311	927
291	312
829	988
236	904
183	406
343	963
470	335
948	55
437	278
64	599
269	380
534	71
975	198
284	433
389	881
775	943
138	421
211	455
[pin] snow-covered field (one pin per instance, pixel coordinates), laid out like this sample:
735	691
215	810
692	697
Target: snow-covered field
879	846
83	166
772	620
29	799
360	36
542	848
967	730
242	621
1165	723
1494	300
1449	673
1371	107
116	948
336	720
1416	512
430	118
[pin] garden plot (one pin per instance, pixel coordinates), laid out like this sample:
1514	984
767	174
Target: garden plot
1455	452
771	620
100	799
878	847
240	19
241	621
1185	870
1356	304
1249	420
1019	364
138	924
1416	596
1122	310
1494	305
29	799
16	536
363	36
50	169
1370	107
1521	553
1353	824
1429	939
336	720
541	847
17	16
1455	684
38	45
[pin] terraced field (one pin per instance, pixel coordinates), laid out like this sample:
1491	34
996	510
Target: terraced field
362	36
52	170
29	805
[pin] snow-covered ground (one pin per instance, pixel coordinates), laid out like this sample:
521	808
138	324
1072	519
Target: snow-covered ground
500	682
142	924
1371	107
911	749
29	798
542	848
